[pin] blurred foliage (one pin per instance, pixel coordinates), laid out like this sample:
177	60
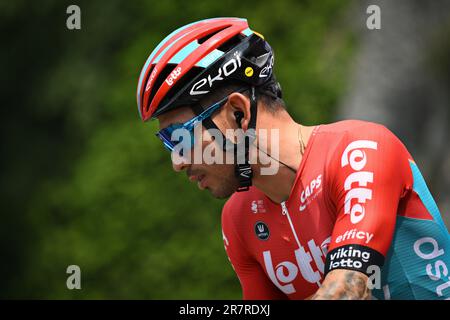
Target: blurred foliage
84	181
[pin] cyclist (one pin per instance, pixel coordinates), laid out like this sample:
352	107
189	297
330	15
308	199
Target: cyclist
347	215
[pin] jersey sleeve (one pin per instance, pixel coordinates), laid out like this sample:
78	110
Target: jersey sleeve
254	282
369	173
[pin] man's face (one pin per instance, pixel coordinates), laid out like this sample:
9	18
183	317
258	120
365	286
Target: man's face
219	179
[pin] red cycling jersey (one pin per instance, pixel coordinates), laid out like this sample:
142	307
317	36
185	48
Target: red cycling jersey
353	181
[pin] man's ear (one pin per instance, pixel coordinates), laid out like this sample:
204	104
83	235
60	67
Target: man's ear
238	115
240	109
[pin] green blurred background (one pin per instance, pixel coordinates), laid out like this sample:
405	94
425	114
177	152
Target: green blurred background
85	182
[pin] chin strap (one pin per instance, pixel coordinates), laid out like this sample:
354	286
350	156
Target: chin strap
243	170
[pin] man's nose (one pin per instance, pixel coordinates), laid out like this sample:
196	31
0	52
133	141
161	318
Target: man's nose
179	163
179	167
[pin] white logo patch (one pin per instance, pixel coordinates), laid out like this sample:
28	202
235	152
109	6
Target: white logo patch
357	159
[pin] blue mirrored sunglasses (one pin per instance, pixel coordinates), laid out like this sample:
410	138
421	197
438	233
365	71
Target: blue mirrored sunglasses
166	134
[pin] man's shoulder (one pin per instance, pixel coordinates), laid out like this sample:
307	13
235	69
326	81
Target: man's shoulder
352	127
345	131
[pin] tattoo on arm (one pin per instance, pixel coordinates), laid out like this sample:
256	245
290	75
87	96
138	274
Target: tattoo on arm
343	285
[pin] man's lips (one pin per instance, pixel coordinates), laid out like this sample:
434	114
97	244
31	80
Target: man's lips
200	179
196	178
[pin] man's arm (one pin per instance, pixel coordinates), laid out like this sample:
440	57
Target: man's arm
343	284
367	177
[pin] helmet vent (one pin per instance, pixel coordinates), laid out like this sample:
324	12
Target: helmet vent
233	42
205	38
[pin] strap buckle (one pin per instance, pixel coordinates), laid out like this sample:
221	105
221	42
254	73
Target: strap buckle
244	173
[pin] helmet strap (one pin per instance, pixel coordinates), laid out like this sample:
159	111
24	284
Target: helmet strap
243	171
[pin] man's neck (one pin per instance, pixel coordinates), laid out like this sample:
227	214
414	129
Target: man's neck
278	186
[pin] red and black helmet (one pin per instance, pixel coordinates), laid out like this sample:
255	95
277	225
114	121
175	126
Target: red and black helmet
200	57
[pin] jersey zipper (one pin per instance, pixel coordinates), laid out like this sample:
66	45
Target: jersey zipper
285	212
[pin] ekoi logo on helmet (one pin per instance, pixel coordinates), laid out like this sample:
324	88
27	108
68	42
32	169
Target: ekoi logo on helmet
205	84
267	70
